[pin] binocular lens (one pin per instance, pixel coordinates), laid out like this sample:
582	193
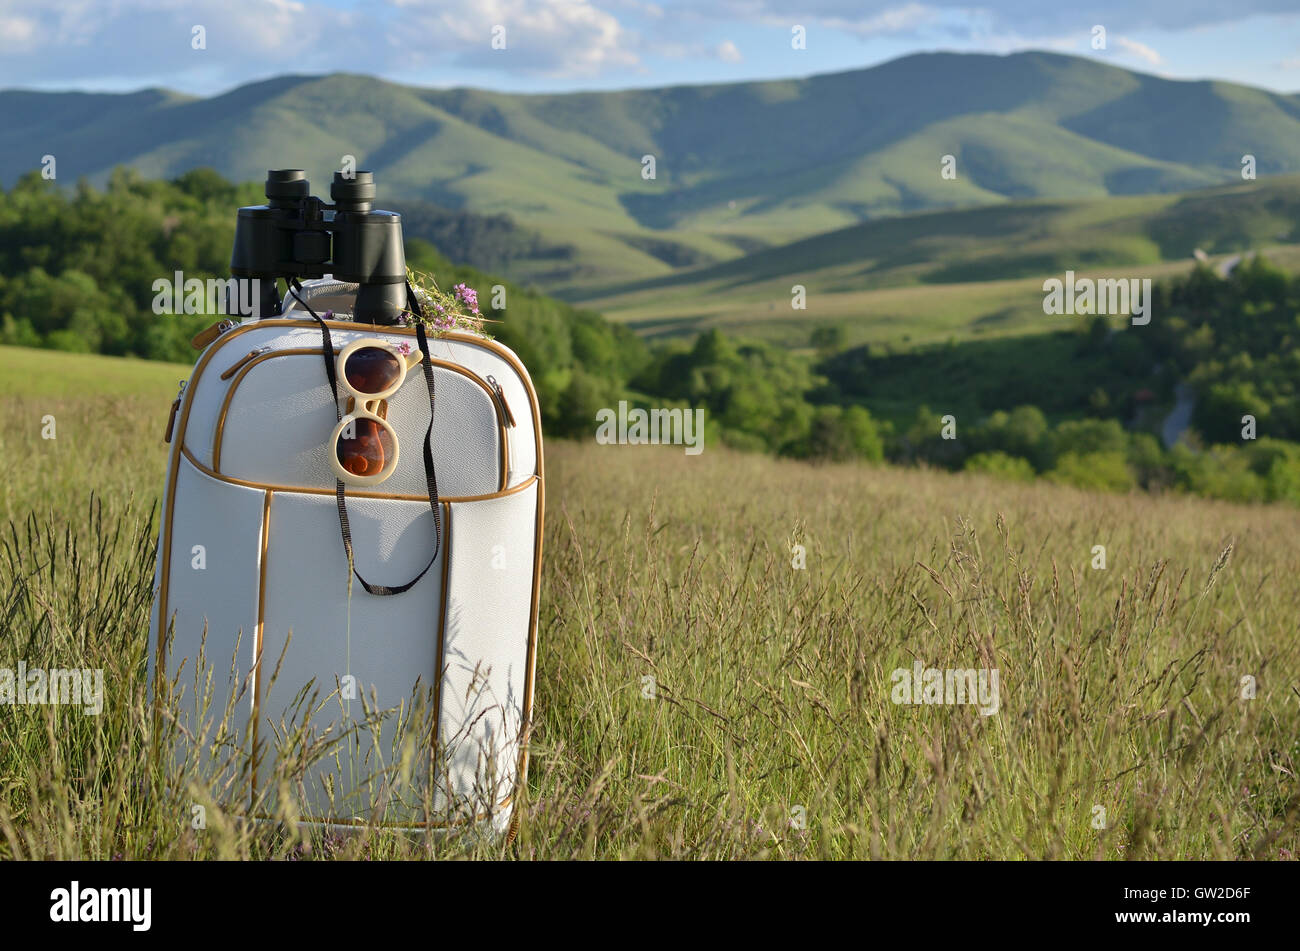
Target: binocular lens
354	192
286	185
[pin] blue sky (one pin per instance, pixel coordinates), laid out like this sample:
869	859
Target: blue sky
553	45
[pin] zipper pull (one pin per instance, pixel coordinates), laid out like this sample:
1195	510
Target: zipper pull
234	367
171	417
204	337
501	395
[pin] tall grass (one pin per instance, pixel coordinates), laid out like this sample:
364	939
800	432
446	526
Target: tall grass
698	696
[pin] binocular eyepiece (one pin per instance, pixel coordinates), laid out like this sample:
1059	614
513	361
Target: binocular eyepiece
297	235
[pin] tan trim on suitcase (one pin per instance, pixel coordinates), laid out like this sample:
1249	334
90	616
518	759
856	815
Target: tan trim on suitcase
351	493
257	638
440	649
531	664
497	407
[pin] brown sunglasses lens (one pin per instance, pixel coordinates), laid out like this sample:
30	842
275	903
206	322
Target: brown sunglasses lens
364	446
372	370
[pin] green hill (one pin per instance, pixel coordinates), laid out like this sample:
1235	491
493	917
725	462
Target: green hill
738	166
936	274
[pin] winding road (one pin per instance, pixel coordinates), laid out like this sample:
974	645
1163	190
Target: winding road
1180	417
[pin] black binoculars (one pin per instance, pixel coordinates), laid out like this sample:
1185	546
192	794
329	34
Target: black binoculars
296	235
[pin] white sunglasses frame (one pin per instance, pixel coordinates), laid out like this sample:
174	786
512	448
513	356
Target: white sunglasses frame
365	406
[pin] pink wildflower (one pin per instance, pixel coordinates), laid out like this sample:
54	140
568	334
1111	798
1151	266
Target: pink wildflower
468	295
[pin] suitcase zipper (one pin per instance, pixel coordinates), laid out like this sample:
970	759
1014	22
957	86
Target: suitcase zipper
509	432
171	417
234	367
501	395
204	337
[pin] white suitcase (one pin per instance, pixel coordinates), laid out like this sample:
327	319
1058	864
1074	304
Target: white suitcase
417	704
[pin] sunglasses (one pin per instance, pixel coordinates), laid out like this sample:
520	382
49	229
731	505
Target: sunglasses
365	443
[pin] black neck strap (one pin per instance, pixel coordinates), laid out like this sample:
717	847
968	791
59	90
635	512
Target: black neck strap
430	477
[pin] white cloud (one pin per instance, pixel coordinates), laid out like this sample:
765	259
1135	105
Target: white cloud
726	51
1140	50
982	18
864	18
128	43
901	19
549	37
76	42
15	30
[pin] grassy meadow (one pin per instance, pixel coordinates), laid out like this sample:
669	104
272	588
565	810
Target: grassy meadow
772	732
897	311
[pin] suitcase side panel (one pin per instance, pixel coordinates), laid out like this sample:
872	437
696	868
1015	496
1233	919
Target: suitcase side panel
214	544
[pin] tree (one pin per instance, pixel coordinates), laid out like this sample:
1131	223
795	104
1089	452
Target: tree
827	339
1000	464
1106	471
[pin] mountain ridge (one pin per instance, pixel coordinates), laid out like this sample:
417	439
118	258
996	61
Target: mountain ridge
737	165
